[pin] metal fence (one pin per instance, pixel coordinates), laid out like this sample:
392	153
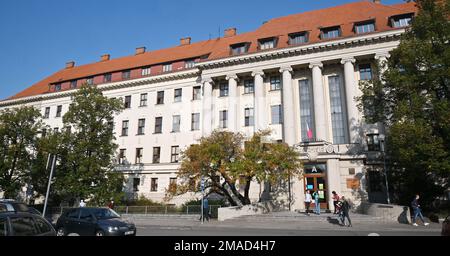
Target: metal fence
148	210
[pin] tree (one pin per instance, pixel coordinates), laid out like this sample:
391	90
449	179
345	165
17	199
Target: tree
223	160
87	149
412	99
18	130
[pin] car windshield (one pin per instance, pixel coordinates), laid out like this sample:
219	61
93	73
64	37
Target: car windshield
104	213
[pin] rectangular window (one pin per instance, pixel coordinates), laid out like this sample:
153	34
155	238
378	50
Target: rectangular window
306	111
122	156
196	93
160	97
223	116
373	142
172	183
141	127
249	86
337	110
175	152
332	32
158	125
47	112
268	43
189	64
57	87
125	128
366	27
90	81
143	102
223	87
177	95
136	182
156	155
154	185
275	83
58	111
56	129
126	74
139	154
107	78
127	102
146	71
167	67
195	122
365	72
73	84
249	117
401	21
237	49
176	123
298	38
277	115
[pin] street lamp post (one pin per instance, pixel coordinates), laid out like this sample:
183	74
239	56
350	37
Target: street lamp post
382	140
49	181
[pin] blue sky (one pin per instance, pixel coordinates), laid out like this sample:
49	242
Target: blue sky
37	37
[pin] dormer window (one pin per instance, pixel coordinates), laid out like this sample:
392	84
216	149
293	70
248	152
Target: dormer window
189	63
364	27
240	48
90	81
57	87
267	43
167	67
73	84
107	78
146	71
126	74
331	32
400	21
298	38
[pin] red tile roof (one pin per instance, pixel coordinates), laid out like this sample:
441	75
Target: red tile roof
344	15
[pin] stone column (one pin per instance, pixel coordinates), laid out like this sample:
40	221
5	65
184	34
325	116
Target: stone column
350	92
288	106
319	101
260	101
206	116
233	97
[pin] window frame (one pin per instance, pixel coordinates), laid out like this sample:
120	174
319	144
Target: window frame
126	74
327	30
107	78
167	67
292	36
279	114
176	97
158	124
249	120
160	98
224	89
263	41
223	119
141	126
124	130
243	48
278	86
174	154
158	155
195	124
362	24
127	101
196	93
143	101
154	185
58	111
139	155
146	71
247	88
176	126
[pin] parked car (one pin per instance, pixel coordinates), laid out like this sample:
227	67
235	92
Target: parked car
88	221
10	205
24	224
446	226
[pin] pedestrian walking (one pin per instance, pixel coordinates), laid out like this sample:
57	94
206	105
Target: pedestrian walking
308	200
82	203
206	209
344	211
316	201
417	211
335	201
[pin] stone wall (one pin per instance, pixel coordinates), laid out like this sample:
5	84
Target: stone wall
226	213
388	212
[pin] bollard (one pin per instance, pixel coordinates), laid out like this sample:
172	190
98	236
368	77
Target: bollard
126	210
146	207
187	209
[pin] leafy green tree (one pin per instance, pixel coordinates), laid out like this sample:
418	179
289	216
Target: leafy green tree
223	160
412	99
18	131
87	149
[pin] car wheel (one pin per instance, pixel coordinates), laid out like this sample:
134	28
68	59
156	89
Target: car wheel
61	232
100	233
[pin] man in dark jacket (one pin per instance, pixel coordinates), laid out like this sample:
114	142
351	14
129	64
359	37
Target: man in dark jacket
345	208
417	212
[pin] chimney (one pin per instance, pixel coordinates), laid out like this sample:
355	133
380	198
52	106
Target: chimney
230	32
185	41
70	64
105	57
140	50
377	1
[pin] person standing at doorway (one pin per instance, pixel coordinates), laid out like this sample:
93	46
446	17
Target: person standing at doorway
335	201
316	201
417	211
308	200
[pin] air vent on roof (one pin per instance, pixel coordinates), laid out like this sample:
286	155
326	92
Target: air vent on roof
230	32
185	41
140	50
105	57
70	64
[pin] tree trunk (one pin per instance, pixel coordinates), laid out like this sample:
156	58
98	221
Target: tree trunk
248	181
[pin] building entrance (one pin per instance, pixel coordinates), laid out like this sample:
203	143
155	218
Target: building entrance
315	180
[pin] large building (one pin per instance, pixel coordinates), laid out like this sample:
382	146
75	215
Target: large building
297	75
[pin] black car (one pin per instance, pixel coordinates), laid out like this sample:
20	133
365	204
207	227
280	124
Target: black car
446	227
9	205
24	224
88	221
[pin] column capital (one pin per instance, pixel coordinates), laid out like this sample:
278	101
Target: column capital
207	80
257	73
231	76
286	69
348	59
382	55
316	64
